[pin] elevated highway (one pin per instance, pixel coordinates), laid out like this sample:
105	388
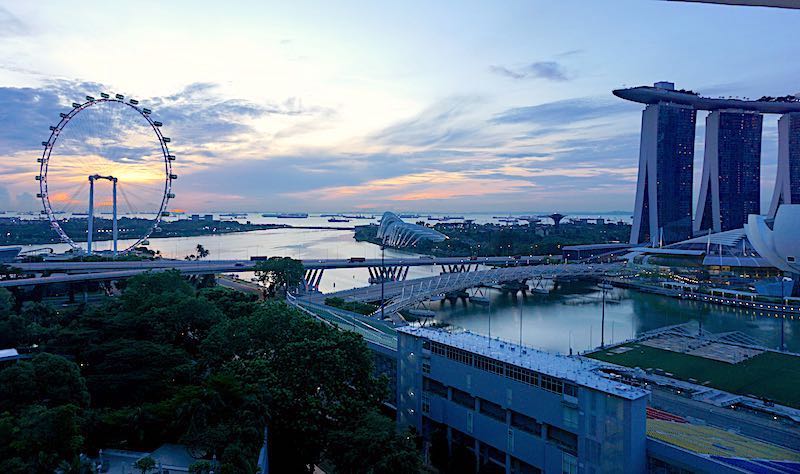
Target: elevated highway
249	265
72	272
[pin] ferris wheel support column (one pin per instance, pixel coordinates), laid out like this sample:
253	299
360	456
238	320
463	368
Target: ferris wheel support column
90	217
115	232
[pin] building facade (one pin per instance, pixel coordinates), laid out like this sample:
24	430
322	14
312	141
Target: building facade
663	208
493	406
787	181
730	189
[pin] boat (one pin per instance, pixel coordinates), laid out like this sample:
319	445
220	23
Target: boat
409	216
452	218
271	214
338	219
234	214
321	215
292	215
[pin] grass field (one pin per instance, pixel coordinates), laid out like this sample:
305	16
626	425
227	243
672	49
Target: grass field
771	375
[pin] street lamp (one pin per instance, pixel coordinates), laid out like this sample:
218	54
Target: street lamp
783	309
383	274
603	315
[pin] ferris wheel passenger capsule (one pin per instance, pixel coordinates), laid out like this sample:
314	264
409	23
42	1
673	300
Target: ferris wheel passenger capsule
75	105
45	143
173	176
90	98
157	123
104	95
119	96
171	195
52	128
146	110
167	139
134	102
171	157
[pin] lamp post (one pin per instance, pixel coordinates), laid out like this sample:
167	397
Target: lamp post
783	309
383	274
603	316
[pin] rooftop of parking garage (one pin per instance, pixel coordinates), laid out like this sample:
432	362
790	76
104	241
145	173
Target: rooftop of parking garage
580	371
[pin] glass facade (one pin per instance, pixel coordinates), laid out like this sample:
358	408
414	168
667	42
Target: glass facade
666	162
794	157
739	158
674	172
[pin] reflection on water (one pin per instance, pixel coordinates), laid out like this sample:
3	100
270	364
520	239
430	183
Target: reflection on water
570	316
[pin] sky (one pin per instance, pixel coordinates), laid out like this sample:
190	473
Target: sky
370	106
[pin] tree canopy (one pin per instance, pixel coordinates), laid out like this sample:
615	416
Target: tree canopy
208	368
279	274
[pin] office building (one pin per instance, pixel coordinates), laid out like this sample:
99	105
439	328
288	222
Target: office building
730	189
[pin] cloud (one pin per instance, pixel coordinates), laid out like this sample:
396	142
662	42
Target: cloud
558	113
443	123
549	70
10	25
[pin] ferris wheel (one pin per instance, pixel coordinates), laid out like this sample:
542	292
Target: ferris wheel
101	150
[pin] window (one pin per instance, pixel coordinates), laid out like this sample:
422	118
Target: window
570	390
493	410
489	365
426	403
426	367
552	384
571	417
526	424
434	387
569	464
463	398
459	355
521	374
566	441
438	349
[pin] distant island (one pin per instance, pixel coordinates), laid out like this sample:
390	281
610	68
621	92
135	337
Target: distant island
466	238
16	231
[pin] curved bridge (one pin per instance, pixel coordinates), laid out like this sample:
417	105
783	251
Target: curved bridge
403	294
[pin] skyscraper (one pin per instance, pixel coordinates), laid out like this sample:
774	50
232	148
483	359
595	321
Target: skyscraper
663	210
731	170
730	189
787	181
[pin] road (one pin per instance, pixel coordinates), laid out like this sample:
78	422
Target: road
748	424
